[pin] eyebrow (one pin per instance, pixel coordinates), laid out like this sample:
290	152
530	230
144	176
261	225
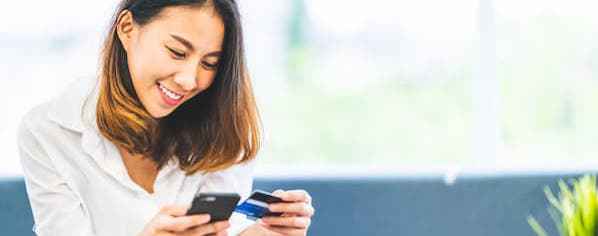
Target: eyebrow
185	42
189	46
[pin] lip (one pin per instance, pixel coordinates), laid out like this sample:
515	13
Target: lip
167	100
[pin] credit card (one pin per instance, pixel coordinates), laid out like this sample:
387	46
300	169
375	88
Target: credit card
256	206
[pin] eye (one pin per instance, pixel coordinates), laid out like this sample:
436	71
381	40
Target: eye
177	54
210	66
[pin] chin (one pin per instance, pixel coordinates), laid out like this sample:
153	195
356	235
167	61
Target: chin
159	113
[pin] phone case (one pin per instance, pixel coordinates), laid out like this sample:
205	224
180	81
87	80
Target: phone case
219	205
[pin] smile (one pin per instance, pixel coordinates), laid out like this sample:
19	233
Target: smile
172	95
169	97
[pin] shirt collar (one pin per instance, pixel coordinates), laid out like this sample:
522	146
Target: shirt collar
74	109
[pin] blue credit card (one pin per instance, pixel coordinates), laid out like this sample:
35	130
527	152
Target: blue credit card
256	206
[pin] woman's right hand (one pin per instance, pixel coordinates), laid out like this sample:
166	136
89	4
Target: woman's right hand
172	221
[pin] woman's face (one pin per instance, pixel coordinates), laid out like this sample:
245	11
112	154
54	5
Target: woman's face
173	57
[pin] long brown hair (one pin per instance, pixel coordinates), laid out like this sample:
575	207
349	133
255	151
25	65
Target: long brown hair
214	130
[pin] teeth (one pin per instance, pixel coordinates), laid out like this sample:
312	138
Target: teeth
169	93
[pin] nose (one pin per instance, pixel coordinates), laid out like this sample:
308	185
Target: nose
187	78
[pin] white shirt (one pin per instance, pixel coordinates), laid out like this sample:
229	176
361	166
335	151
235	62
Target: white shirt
78	185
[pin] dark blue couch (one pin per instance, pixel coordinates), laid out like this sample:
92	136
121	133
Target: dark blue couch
402	205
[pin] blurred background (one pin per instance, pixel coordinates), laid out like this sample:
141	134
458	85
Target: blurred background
365	87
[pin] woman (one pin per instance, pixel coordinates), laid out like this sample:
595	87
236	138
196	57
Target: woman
171	113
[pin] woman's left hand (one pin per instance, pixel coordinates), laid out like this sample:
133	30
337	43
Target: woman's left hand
296	210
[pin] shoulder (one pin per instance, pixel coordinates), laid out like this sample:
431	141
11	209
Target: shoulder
32	134
49	134
55	121
38	133
36	120
44	143
62	113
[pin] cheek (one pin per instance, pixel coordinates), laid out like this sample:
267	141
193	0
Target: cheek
136	72
137	64
204	82
146	67
206	78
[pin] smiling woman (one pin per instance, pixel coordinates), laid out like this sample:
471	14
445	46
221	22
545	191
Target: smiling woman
164	70
171	113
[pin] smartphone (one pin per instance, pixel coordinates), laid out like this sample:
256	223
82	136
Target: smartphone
220	206
256	206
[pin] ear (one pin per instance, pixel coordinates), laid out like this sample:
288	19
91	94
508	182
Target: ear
126	29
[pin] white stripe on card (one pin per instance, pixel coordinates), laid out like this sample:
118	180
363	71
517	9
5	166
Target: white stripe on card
257	203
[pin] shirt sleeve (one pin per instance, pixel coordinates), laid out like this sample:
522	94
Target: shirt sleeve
56	208
239	179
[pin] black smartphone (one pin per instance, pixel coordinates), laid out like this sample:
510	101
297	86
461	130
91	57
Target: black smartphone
268	198
219	206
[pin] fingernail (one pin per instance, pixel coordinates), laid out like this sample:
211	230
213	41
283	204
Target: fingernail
278	192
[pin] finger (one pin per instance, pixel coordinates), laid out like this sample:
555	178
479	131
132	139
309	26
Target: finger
298	195
288	214
182	223
277	192
174	210
292	222
299	208
285	230
223	233
212	228
163	233
209	229
214	234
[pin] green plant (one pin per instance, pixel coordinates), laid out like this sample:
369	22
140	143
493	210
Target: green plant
574	211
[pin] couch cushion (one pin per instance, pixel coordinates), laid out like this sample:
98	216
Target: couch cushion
15	212
493	205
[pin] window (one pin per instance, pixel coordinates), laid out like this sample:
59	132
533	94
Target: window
394	86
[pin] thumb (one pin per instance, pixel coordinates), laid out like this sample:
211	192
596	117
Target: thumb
278	192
